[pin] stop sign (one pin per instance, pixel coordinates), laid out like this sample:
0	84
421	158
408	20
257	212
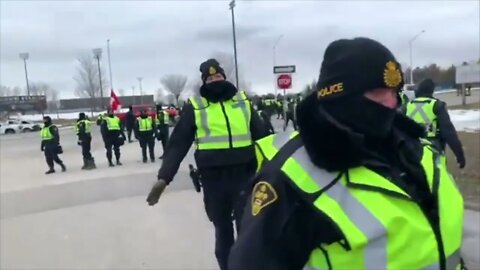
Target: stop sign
284	81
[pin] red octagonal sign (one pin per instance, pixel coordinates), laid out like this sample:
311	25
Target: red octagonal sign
284	81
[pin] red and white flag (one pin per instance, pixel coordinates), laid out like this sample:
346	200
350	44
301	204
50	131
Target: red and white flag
115	103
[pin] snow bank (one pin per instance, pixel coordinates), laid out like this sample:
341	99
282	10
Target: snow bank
39	117
465	120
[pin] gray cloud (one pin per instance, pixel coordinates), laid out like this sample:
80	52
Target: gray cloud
154	38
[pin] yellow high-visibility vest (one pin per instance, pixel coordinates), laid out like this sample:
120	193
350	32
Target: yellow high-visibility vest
384	227
222	125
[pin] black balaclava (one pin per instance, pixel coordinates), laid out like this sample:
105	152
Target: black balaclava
349	69
47	121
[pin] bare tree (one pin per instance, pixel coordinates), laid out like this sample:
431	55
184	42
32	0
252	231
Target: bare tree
87	78
175	84
4	91
16	91
44	89
227	62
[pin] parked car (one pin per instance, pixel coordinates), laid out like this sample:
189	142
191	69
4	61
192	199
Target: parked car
8	128
13	126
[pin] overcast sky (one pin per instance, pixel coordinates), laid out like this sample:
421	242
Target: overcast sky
154	38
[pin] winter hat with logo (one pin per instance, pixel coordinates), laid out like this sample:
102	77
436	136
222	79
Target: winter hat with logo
210	68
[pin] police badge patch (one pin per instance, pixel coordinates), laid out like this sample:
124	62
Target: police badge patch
391	75
212	71
263	195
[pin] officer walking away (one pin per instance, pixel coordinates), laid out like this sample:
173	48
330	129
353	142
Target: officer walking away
130	120
163	119
224	125
145	134
114	136
291	106
84	133
432	114
356	187
266	122
51	145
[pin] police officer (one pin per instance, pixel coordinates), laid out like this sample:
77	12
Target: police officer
114	136
433	115
266	122
145	134
130	121
163	120
291	106
223	125
355	188
84	132
51	144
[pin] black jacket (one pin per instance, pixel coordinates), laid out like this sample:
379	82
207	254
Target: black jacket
130	120
107	134
183	136
283	234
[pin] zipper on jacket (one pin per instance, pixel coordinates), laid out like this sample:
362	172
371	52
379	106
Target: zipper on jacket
229	130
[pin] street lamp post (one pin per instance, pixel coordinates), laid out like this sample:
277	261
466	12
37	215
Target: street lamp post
410	42
232	6
24	56
109	64
133	94
275	63
97	53
140	87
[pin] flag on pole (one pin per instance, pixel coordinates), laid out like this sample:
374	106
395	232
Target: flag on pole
115	103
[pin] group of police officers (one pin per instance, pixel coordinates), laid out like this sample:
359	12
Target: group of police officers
362	184
146	129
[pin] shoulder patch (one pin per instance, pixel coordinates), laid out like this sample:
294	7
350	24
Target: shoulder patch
263	195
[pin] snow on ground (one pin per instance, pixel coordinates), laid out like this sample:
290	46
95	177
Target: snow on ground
39	117
465	120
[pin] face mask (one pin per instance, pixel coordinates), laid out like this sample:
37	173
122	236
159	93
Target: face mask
365	116
215	88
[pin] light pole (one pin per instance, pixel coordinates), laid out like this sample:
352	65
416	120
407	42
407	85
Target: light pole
275	63
133	94
24	56
232	6
140	87
109	64
97	54
410	48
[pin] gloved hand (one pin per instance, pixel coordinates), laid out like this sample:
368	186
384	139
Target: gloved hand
42	148
461	162
156	191
79	142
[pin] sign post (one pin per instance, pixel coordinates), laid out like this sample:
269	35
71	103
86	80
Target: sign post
284	81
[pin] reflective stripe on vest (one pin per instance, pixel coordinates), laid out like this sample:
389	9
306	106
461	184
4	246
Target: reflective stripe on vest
165	116
211	124
88	126
45	134
113	123
382	230
421	111
145	124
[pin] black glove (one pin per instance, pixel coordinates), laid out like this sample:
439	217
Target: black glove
156	192
79	142
42	147
461	162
